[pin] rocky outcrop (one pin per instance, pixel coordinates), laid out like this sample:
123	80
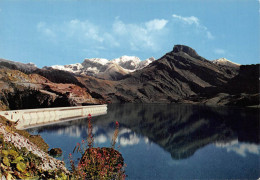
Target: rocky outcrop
247	80
26	91
19	141
27	68
55	152
242	90
112	71
20	158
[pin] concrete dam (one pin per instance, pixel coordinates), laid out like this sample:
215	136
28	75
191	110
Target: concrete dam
29	118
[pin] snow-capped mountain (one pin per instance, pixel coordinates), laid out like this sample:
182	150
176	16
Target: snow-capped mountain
106	69
225	62
74	68
128	62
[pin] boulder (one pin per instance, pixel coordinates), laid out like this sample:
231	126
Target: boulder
56	152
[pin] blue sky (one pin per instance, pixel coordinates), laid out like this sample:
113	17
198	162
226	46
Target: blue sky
49	32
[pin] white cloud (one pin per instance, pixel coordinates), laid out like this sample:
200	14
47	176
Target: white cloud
140	36
71	30
192	20
241	149
189	20
146	140
111	39
88	37
119	27
219	51
156	24
131	140
41	26
209	35
73	131
100	139
121	35
259	6
223	52
84	29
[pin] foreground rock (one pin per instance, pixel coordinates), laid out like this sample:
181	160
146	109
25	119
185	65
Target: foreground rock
20	158
55	152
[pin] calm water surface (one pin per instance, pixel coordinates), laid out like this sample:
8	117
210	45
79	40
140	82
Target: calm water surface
165	141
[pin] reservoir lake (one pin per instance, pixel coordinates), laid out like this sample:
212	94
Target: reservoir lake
170	141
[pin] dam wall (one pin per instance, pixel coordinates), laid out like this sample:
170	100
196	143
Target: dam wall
36	117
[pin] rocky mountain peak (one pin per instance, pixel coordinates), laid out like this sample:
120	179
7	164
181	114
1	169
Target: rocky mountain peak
186	49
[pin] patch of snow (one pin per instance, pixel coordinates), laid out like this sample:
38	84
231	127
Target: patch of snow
225	62
98	60
125	58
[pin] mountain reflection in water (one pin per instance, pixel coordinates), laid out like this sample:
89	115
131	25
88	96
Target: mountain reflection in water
179	129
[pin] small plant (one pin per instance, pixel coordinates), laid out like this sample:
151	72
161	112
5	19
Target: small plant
98	163
90	135
115	135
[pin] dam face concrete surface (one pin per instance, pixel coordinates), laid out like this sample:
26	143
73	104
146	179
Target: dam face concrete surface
28	118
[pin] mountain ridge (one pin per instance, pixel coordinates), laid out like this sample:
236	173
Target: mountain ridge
102	68
179	76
